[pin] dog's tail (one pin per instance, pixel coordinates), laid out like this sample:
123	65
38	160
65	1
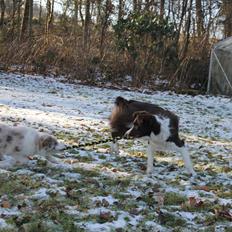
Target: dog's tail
120	101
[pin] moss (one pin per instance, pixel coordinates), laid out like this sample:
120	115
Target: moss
17	184
8	230
101	156
206	206
171	198
228	229
54	221
170	220
87	173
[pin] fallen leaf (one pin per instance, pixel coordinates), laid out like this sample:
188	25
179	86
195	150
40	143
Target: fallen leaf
204	188
105	216
5	204
195	202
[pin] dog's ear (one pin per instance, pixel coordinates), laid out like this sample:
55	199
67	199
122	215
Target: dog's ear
45	141
120	101
140	116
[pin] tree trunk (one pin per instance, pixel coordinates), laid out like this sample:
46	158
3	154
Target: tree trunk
120	9
19	17
183	13
200	18
86	25
187	31
162	2
13	20
3	8
30	18
25	20
49	16
81	15
75	24
108	10
227	12
98	11
135	5
40	11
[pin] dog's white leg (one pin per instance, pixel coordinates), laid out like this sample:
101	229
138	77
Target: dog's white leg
187	160
114	148
150	158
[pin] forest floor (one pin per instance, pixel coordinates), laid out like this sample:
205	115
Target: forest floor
92	190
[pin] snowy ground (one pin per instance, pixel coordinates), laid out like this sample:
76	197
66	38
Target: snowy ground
92	190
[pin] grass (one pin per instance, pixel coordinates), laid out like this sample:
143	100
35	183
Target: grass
171	198
170	220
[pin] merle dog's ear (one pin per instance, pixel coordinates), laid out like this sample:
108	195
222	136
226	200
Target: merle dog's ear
45	141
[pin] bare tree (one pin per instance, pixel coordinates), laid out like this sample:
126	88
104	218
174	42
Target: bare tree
200	18
3	8
25	20
86	24
120	9
30	18
105	22
162	2
227	12
49	15
187	31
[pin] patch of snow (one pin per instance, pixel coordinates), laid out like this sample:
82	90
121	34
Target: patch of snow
71	176
122	220
40	194
134	193
187	215
4	225
9	212
24	172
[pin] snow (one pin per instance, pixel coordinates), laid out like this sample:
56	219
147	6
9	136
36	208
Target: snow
40	194
80	113
9	212
4	225
121	222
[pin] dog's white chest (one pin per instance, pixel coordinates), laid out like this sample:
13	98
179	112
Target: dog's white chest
164	131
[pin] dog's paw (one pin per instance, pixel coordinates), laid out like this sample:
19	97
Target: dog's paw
114	149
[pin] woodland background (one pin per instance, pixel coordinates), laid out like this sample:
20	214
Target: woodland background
139	42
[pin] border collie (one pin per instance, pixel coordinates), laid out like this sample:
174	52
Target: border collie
19	142
159	126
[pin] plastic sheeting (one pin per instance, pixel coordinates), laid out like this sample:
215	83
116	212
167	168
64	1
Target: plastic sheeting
220	71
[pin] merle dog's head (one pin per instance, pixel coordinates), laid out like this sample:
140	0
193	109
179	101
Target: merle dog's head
49	143
144	124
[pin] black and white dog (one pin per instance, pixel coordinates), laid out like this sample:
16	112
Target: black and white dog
144	120
19	142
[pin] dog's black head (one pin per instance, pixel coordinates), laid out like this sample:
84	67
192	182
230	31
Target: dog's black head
144	124
120	101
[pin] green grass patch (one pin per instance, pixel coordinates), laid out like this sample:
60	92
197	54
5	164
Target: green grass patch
171	198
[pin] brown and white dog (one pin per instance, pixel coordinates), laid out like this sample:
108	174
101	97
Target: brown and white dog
19	142
157	125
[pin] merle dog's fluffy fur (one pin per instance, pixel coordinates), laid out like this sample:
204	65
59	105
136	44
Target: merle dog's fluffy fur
19	142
